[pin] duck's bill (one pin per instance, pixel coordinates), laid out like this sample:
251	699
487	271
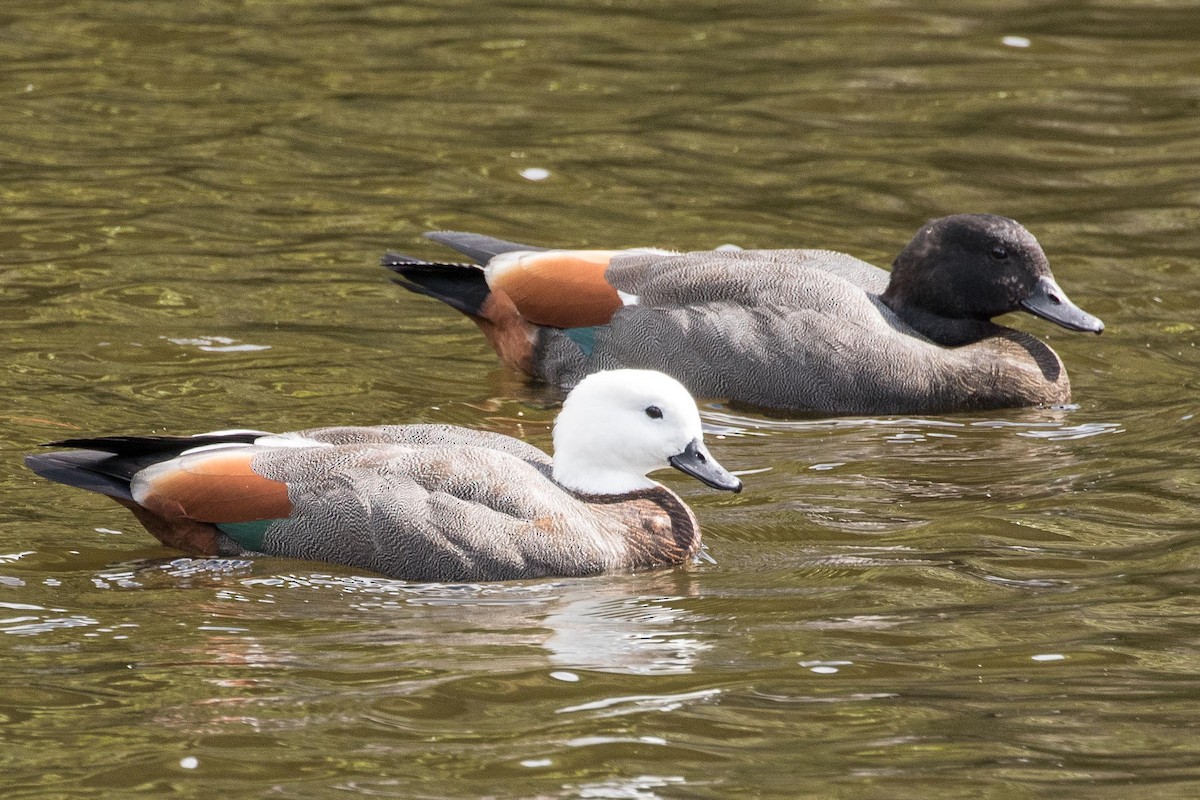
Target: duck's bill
1050	302
696	461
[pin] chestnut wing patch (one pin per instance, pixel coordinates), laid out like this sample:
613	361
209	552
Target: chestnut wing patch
558	288
216	486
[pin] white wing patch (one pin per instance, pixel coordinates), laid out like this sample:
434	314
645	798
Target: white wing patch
289	440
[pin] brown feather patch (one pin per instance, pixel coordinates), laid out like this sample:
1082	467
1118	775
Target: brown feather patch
509	334
196	538
216	486
560	288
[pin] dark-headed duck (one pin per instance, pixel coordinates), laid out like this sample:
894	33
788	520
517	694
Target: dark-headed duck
793	330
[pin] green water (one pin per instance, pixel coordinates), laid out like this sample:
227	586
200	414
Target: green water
194	198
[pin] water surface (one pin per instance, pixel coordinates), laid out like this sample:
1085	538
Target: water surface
998	606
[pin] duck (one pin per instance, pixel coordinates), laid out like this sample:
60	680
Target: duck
785	330
427	502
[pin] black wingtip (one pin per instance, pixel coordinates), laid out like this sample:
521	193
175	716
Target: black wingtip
399	262
478	247
156	445
460	286
91	470
390	259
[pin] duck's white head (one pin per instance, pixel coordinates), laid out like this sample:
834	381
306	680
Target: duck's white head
618	425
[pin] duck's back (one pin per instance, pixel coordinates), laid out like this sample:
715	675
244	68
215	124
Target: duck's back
428	436
817	279
794	329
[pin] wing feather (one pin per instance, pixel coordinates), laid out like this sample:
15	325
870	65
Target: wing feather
557	288
215	486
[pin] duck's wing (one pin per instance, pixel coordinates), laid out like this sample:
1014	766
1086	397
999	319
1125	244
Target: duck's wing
108	464
557	288
780	329
445	512
183	489
216	486
554	288
518	292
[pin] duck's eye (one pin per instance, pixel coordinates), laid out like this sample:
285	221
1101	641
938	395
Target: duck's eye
653	412
999	252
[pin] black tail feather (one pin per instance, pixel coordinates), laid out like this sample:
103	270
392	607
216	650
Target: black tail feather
460	286
107	464
168	446
87	469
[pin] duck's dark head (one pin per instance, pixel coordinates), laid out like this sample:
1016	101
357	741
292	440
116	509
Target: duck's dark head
963	270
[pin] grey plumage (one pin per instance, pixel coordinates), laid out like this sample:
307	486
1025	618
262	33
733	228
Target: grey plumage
797	329
442	503
446	512
428	503
818	330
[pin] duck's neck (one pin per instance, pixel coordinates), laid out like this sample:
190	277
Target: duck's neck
943	330
589	479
